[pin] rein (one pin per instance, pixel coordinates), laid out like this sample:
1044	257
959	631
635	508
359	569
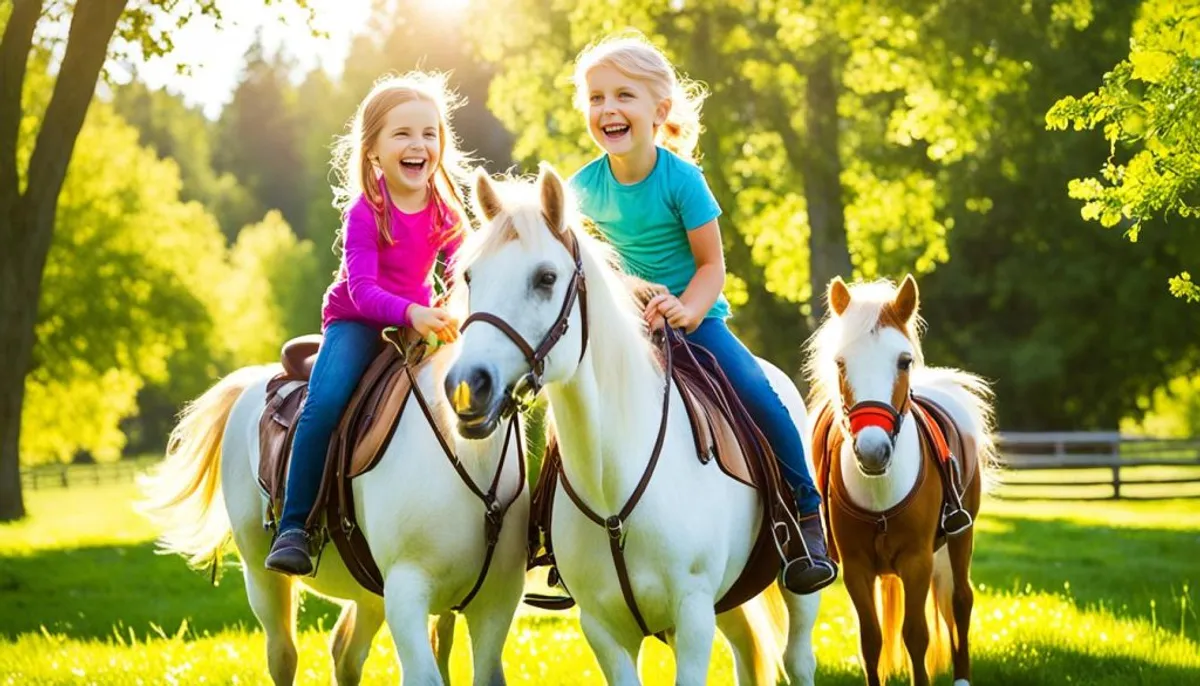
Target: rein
494	510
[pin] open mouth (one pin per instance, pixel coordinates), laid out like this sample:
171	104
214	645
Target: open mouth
477	426
615	131
413	166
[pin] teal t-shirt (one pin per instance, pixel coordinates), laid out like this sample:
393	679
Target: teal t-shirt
647	222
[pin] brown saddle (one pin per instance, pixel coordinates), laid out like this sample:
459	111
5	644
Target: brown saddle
357	444
722	430
952	454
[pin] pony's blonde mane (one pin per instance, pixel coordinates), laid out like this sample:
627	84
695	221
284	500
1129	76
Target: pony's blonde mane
870	309
615	327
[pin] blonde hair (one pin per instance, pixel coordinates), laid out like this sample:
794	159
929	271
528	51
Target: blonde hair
356	175
634	56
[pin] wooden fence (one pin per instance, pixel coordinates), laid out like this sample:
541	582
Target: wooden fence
69	475
1066	465
1093	465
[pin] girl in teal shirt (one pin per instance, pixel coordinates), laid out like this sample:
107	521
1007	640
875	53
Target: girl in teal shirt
651	202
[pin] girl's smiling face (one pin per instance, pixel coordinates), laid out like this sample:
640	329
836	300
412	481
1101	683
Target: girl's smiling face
623	115
408	148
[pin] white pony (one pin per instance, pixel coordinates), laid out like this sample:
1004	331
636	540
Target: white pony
424	527
690	534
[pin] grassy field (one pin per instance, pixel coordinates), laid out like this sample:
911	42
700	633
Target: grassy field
1069	593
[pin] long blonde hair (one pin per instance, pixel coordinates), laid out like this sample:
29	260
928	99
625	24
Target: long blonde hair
634	56
356	175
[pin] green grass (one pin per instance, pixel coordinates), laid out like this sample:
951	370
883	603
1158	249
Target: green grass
1083	593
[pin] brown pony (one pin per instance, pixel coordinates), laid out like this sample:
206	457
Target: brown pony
901	452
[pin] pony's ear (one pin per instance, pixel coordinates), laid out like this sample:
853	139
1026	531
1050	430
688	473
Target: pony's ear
553	197
486	200
906	300
839	295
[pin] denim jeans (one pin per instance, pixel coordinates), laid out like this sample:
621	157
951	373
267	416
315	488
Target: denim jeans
764	406
346	351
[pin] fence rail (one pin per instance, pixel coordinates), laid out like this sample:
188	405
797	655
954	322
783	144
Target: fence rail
1096	465
71	475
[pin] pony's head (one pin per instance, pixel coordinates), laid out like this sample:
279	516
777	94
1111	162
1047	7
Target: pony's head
860	360
523	277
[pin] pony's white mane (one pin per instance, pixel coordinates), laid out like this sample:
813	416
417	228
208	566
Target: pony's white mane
861	318
868	310
615	327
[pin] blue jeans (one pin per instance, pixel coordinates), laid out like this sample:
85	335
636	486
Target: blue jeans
763	404
346	351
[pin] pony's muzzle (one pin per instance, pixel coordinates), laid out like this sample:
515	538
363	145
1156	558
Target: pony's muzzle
473	394
873	451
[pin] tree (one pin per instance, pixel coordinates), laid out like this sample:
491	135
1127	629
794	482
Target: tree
29	187
258	137
1148	109
165	123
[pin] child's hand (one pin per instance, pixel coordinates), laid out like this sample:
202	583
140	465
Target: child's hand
673	310
433	320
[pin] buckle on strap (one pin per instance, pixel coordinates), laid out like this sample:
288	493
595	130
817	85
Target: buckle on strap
615	526
493	520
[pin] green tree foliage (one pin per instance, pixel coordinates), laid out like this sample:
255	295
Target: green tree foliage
259	136
123	294
165	123
1149	111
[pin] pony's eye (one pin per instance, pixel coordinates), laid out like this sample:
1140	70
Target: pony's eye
546	278
904	363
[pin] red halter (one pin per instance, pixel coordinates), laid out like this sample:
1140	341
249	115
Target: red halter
876	413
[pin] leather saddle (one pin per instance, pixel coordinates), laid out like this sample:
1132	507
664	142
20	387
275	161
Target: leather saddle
722	431
370	418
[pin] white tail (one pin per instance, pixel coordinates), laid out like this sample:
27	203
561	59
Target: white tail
181	491
767	616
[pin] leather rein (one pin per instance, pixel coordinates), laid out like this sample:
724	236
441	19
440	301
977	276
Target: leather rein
527	388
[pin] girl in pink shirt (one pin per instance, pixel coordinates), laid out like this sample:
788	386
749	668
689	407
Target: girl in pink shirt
400	167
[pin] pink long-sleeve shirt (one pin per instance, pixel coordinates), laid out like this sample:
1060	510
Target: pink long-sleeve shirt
377	282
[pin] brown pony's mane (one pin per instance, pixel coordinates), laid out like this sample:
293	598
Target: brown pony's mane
871	308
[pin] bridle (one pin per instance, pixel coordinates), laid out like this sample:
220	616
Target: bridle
525	391
878	414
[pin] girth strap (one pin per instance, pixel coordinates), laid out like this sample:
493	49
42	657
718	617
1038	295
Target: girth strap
615	524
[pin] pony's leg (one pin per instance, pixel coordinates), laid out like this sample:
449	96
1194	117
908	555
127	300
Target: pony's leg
799	658
441	637
695	627
860	584
273	599
916	573
406	603
489	618
352	638
614	655
962	601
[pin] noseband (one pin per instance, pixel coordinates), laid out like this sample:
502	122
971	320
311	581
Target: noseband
878	414
525	391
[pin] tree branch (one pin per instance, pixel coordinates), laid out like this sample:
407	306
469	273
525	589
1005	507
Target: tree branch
14	56
92	28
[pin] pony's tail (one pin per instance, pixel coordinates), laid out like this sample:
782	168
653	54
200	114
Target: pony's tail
179	493
889	599
767	617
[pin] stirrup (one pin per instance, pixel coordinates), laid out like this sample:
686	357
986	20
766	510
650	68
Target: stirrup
953	522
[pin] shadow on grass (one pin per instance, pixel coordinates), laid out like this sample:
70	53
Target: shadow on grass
85	592
1120	569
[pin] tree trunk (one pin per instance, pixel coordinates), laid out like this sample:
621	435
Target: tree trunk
829	253
27	218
